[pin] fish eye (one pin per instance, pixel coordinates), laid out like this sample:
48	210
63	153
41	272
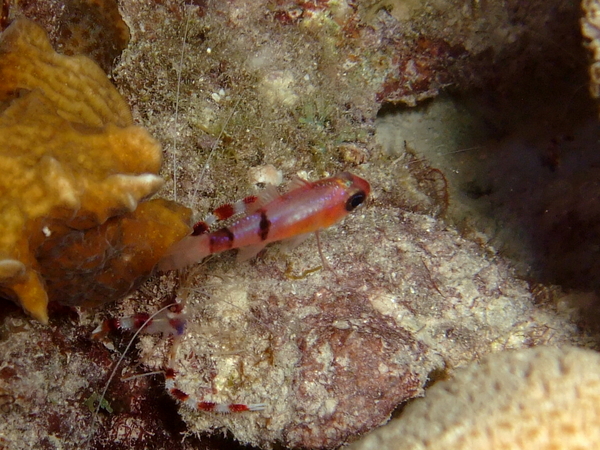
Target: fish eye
355	200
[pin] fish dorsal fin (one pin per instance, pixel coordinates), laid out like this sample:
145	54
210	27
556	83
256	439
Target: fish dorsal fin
266	196
297	182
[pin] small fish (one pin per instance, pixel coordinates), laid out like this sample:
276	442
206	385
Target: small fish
306	208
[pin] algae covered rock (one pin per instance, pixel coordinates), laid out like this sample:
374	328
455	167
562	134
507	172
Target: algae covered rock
71	159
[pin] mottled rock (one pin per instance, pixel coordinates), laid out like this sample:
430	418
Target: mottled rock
228	86
93	28
231	86
333	352
544	398
50	377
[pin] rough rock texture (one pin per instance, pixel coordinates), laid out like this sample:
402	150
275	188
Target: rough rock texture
544	398
332	352
462	46
233	87
297	85
93	28
71	159
50	376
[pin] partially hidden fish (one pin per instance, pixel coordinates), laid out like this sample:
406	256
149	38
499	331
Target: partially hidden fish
306	208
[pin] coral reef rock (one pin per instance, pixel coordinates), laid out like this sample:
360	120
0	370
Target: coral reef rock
50	377
333	352
72	159
542	398
93	28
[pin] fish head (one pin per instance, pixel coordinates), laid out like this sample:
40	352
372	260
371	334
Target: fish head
357	190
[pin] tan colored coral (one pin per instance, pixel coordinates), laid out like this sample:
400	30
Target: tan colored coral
541	398
68	152
76	87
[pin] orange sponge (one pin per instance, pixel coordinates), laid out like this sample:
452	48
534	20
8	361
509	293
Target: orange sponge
71	159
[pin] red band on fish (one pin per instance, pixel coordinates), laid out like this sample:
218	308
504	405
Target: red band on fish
224	212
250	199
200	228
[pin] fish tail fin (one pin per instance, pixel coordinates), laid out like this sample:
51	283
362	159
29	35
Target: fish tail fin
188	251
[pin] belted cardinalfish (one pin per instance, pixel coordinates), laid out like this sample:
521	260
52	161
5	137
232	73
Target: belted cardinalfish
306	208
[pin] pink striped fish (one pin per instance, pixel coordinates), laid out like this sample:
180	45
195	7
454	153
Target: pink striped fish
308	207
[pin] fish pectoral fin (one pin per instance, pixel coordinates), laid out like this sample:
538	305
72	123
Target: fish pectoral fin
290	244
248	252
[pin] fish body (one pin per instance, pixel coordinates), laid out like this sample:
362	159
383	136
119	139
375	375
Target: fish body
308	207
